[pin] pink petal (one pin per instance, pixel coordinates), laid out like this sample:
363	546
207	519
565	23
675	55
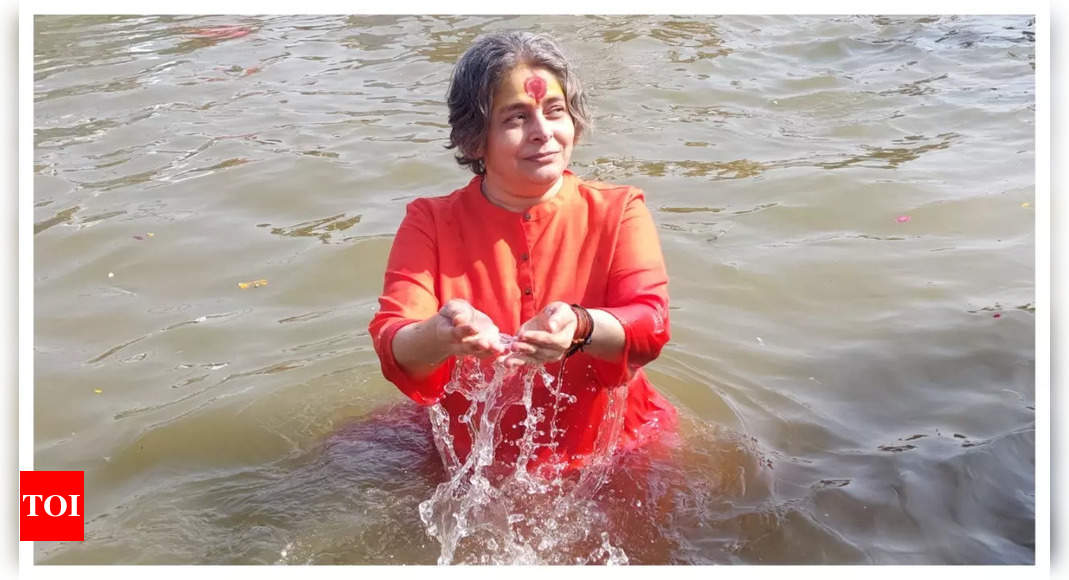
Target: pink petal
903	219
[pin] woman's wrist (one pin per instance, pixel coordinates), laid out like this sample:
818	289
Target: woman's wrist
584	330
607	338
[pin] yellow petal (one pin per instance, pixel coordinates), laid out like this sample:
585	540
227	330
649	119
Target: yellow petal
243	285
97	391
1026	204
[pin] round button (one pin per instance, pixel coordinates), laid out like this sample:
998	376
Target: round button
525	257
526	217
527	291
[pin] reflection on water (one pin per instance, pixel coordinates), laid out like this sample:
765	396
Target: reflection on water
61	217
893	157
846	207
321	228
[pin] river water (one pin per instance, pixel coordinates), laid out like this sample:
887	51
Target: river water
846	207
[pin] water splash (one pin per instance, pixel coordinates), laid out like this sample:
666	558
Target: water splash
529	511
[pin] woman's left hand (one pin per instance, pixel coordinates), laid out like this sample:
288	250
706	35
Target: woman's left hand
544	338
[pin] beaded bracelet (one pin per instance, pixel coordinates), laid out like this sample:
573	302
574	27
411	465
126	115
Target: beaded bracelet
584	330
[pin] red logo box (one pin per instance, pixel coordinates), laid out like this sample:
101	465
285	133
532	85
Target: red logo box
52	506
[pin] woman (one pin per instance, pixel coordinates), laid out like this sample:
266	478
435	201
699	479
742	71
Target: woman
514	250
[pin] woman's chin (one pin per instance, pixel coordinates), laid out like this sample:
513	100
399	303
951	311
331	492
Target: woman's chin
528	178
547	175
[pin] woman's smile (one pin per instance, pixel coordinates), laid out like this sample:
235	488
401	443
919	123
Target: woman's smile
545	157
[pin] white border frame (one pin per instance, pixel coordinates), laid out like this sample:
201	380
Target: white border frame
1044	218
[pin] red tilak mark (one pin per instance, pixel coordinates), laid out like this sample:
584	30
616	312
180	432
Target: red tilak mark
535	87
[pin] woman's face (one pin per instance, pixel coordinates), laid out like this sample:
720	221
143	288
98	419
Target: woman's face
529	143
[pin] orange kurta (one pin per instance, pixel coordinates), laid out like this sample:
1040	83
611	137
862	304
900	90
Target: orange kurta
593	244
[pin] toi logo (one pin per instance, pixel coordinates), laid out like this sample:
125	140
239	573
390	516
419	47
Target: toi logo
51	506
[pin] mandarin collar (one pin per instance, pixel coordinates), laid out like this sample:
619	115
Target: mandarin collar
545	210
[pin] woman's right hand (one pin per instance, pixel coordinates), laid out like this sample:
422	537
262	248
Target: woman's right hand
467	331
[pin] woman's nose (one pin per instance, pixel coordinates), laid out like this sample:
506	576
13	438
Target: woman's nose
540	128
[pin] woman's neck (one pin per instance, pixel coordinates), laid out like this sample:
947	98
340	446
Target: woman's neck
509	200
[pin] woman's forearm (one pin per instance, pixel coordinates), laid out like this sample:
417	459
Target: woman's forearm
417	348
607	340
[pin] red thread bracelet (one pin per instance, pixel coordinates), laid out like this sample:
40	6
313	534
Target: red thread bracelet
584	330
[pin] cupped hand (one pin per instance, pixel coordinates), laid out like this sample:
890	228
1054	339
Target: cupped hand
467	331
544	338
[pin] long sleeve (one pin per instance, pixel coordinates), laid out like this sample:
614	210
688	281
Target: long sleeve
638	286
408	296
593	244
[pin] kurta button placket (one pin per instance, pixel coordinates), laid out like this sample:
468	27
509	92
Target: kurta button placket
525	276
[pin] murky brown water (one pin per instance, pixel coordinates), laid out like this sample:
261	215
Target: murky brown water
845	206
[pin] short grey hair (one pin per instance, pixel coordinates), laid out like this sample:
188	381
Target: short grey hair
477	75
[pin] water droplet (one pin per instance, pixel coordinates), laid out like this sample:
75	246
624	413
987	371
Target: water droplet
479	485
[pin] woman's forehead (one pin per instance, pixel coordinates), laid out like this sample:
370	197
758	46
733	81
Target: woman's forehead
526	84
